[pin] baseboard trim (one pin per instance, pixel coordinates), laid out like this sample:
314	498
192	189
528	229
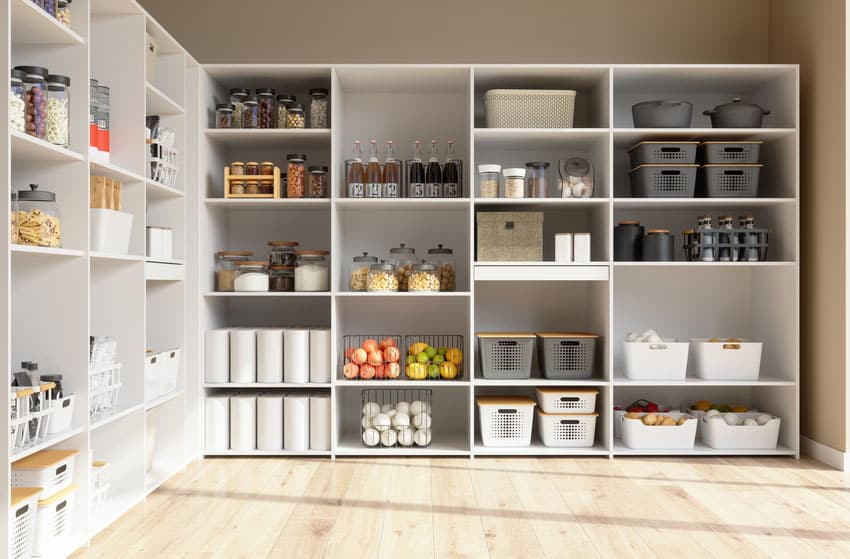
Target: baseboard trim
826	454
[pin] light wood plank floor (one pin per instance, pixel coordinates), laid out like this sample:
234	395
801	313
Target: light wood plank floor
527	508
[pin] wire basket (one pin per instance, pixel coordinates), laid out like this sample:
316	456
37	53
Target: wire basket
359	362
99	484
446	363
104	385
726	245
163	159
396	417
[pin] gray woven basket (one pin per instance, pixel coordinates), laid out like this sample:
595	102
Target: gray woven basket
509	236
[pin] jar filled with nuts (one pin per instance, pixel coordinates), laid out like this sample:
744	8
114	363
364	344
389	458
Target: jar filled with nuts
381	278
318	181
402	258
224	115
318	107
295	116
283	101
360	270
237	99
295	175
267	107
251	112
63	12
424	278
35	85
443	259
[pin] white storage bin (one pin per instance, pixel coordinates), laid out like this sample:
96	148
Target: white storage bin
22	517
726	360
53	522
19	416
152	375
505	421
104	385
61	414
716	433
567	430
217	423
559	400
169	366
52	470
653	437
110	231
217	355
150	438
665	360
243	355
99	485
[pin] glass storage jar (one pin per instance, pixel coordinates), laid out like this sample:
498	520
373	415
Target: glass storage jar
360	271
252	187
282	253
250	112
281	278
251	275
63	12
283	101
311	270
266	187
295	115
225	267
318	107
295	175
514	182
237	187
318	181
381	278
237	99
224	115
535	179
237	168
49	6
58	109
13	219
37	218
35	97
424	278
252	168
402	258
267	107
488	180
267	168
444	260
17	106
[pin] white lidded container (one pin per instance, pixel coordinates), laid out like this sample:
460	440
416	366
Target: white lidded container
243	355
54	520
636	435
566	430
51	470
270	422
217	423
731	359
716	433
270	355
217	355
560	400
110	230
664	360
505	421
320	355
243	422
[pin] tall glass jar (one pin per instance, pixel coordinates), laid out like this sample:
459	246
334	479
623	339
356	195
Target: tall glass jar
17	106
35	97
488	180
514	183
295	175
318	181
281	278
224	115
443	258
282	253
318	107
381	278
250	112
225	267
283	101
267	107
237	99
311	270
295	115
38	219
63	12
535	179
424	278
360	271
402	258
58	109
251	276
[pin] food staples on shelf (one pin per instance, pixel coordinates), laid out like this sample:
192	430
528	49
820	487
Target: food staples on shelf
381	278
576	177
727	243
251	112
434	357
35	87
224	115
360	271
268	109
403	258
396	417
35	218
253	180
295	116
318	107
58	109
295	175
712	409
318	187
17	105
488	180
281	278
443	258
514	182
529	108
536	184
225	267
658	420
282	253
63	12
739	430
251	275
648	356
46	103
311	270
99	121
283	102
366	358
509	236
657	430
424	278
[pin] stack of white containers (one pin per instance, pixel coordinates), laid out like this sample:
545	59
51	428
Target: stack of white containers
268	421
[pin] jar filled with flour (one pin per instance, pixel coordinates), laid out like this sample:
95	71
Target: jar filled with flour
311	270
252	275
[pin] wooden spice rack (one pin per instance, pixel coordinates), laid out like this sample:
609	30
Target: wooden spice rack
275	178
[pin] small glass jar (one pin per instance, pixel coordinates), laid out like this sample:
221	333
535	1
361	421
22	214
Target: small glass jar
318	181
311	270
63	12
282	253
267	107
381	278
35	97
17	105
237	99
488	180
237	168
424	279
295	175
266	187
402	258
58	109
224	115
237	187
252	168
514	182
281	278
251	276
250	112
535	179
360	271
444	260
295	116
283	101
225	267
37	218
252	187
318	107
267	168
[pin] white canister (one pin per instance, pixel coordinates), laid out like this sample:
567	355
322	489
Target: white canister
320	355
243	422
270	355
563	247
217	355
320	422
167	242
296	356
217	423
270	422
243	355
154	242
296	422
581	247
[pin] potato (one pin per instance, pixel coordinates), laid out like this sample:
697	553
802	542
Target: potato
682	420
668	421
650	419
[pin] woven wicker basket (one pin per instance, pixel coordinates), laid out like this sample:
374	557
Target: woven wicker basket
530	108
510	236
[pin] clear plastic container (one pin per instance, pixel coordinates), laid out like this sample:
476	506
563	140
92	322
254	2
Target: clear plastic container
37	218
514	182
237	99
382	278
402	258
268	107
224	115
282	253
424	278
318	182
225	267
536	185
58	109
311	270
488	180
281	278
443	258
251	276
250	112
295	175
35	97
17	105
318	108
283	101
360	271
63	12
295	116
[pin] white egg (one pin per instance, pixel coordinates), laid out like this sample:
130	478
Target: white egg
391	413
631	337
401	421
750	422
387	407
371	409
366	422
388	438
713	417
418	406
371	437
381	422
422	437
763	419
732	419
654	339
648	333
403	407
711	413
405	436
422	421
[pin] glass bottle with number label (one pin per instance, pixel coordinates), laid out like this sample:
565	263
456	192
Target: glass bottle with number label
416	173
356	173
451	173
433	174
392	173
374	176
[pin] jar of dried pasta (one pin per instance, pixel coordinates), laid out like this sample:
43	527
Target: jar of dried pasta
37	218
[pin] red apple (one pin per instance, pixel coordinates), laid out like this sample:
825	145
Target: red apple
359	356
349	351
350	371
393	370
392	354
376	358
367	371
380	372
387	342
370	345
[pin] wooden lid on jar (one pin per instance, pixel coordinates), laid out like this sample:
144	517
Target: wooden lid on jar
313	252
252	263
658	232
234	253
283	243
281	268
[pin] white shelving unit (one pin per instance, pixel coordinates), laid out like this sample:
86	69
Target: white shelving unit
403	103
56	298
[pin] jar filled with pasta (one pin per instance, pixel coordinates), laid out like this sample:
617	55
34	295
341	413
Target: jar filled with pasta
37	218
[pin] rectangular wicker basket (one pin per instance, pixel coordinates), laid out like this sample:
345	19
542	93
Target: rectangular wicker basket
509	236
529	108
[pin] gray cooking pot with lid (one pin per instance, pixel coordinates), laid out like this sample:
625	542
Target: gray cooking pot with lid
736	114
662	113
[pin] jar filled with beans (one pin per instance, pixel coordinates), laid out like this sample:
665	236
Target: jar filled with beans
283	101
295	116
424	278
295	175
381	278
35	96
17	105
360	271
267	106
318	108
318	181
443	259
402	258
224	115
251	112
237	99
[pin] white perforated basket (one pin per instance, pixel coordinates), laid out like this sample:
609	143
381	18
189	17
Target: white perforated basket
22	522
530	108
567	430
559	400
639	436
53	523
51	470
505	421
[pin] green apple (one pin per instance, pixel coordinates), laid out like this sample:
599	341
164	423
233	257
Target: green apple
411	359
438	359
431	352
433	371
422	357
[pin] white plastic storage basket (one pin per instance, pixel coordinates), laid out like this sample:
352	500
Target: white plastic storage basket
99	484
506	355
733	359
22	521
567	355
505	421
61	414
53	523
19	415
665	360
716	433
567	430
169	366
110	230
52	470
636	435
104	385
559	400
529	108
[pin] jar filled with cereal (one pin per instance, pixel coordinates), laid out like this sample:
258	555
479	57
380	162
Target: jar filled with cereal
295	175
38	219
295	116
283	101
381	278
424	279
318	107
402	258
443	259
360	270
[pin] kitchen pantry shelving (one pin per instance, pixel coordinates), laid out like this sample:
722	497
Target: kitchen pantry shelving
58	297
403	103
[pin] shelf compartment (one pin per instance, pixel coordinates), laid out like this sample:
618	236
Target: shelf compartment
268	204
539	271
251	138
158	103
29	148
33	25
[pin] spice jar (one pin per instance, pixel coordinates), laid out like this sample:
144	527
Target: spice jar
224	115
251	275
35	96
658	246
266	187
237	187
17	106
514	183
37	218
237	99
295	175
58	109
237	168
225	267
267	168
424	278
443	259
311	270
252	187
63	12
318	182
402	258
282	253
252	168
250	112
360	270
535	179
318	108
267	107
295	115
381	278
281	278
488	180
283	101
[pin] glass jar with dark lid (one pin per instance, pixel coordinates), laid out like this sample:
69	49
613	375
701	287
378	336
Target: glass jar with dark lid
443	258
224	115
381	278
318	107
35	96
268	110
251	112
283	101
225	267
17	105
37	218
536	185
282	253
58	109
403	258
424	278
281	278
237	99
318	187
360	271
295	116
